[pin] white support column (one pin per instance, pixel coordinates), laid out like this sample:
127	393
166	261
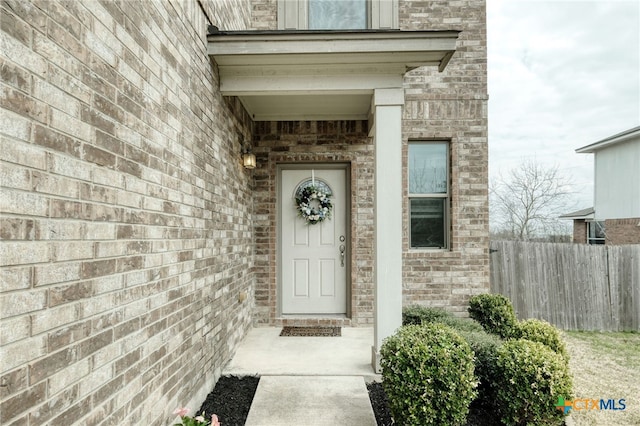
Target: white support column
387	133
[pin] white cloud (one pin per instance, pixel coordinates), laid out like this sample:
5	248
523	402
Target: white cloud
562	74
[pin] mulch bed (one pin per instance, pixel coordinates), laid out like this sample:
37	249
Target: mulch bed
380	404
311	331
232	396
231	399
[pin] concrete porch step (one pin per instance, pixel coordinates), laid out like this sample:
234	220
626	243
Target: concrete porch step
264	352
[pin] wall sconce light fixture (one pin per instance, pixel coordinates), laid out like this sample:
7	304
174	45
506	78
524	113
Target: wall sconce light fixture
248	159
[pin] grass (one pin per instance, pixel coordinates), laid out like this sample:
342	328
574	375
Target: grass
605	366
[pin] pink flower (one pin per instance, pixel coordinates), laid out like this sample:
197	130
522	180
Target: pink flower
181	411
214	420
199	419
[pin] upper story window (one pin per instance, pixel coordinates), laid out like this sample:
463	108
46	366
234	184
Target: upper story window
428	194
337	14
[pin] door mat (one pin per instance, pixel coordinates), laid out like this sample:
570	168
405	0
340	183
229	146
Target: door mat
311	331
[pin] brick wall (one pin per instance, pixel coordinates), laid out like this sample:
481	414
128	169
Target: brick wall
126	215
264	14
451	106
580	231
622	231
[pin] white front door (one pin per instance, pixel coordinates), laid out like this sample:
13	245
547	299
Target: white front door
313	257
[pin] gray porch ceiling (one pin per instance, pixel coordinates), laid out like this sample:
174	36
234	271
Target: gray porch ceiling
320	75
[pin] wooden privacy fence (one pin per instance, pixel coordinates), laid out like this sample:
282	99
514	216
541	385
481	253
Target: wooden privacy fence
573	286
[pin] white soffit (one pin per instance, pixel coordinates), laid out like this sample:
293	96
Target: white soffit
320	75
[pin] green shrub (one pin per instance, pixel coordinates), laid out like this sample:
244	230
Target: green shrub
427	374
417	314
545	333
495	313
485	351
463	324
528	381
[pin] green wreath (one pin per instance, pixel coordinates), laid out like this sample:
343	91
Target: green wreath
314	204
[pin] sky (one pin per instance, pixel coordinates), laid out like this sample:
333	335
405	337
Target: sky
562	74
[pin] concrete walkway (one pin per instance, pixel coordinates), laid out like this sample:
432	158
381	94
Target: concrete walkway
308	380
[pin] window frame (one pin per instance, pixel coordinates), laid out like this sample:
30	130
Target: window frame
595	240
446	196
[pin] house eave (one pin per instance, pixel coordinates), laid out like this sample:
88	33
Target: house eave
263	68
584	214
362	42
625	136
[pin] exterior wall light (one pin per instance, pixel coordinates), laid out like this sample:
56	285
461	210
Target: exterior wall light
248	160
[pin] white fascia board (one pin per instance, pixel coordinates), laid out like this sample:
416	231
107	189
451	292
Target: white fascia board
399	60
625	136
309	42
245	85
584	217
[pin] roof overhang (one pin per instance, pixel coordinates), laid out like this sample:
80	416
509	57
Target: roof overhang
584	214
320	75
625	136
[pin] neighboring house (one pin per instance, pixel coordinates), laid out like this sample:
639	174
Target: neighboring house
585	229
615	218
137	250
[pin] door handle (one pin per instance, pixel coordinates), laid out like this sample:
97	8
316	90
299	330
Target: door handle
342	248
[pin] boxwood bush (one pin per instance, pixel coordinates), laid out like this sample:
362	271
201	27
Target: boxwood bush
545	333
529	378
463	324
427	373
417	314
485	350
495	313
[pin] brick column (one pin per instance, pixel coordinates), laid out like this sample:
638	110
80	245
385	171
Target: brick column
387	134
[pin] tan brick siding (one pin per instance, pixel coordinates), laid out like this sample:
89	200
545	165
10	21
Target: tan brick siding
264	14
580	231
451	106
622	231
126	215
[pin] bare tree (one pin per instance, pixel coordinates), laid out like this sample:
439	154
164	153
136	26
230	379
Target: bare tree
526	204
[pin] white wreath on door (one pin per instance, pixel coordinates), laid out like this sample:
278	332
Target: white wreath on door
313	201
